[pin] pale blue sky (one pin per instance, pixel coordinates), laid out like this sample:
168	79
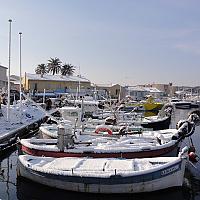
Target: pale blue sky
113	41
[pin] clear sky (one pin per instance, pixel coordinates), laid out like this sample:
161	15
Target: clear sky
113	41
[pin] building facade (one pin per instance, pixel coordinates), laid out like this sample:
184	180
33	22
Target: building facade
54	83
140	92
113	91
168	89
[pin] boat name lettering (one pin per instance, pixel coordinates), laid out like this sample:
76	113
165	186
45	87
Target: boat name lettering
167	171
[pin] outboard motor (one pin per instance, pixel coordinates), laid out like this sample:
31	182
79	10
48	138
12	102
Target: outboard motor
65	138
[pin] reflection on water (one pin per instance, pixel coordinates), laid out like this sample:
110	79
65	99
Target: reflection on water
12	188
8	165
193	184
30	190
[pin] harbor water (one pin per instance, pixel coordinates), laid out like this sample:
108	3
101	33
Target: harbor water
12	187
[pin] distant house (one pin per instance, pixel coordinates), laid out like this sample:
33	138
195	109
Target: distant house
3	77
139	93
168	89
54	83
136	92
111	90
155	92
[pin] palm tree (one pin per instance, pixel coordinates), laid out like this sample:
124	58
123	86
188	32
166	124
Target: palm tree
41	69
67	69
54	65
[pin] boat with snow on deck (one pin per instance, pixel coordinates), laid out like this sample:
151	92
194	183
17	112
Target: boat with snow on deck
148	144
105	175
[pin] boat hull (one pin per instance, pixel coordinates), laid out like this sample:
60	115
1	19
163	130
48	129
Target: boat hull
166	177
153	106
146	153
158	125
183	106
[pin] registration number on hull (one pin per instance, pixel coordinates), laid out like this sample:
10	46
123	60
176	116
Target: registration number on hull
169	170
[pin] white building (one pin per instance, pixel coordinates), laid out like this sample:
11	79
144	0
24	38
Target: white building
136	92
139	93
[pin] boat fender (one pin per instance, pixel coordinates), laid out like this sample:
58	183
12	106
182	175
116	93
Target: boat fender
193	157
103	128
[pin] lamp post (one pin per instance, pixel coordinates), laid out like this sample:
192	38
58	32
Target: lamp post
9	55
20	73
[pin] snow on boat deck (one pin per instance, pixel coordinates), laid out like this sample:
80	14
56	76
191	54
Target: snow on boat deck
101	167
30	114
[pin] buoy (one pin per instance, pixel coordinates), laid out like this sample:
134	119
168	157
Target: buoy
193	157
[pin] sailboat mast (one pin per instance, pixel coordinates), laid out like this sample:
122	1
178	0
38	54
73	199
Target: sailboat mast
20	73
9	55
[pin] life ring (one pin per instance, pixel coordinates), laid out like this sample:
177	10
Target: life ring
103	129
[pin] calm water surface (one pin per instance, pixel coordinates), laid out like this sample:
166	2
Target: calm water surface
12	188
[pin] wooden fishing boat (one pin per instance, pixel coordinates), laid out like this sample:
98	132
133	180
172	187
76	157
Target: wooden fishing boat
105	175
147	144
48	131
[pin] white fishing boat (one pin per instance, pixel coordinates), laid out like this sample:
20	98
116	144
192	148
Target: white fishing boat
48	131
146	144
105	175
